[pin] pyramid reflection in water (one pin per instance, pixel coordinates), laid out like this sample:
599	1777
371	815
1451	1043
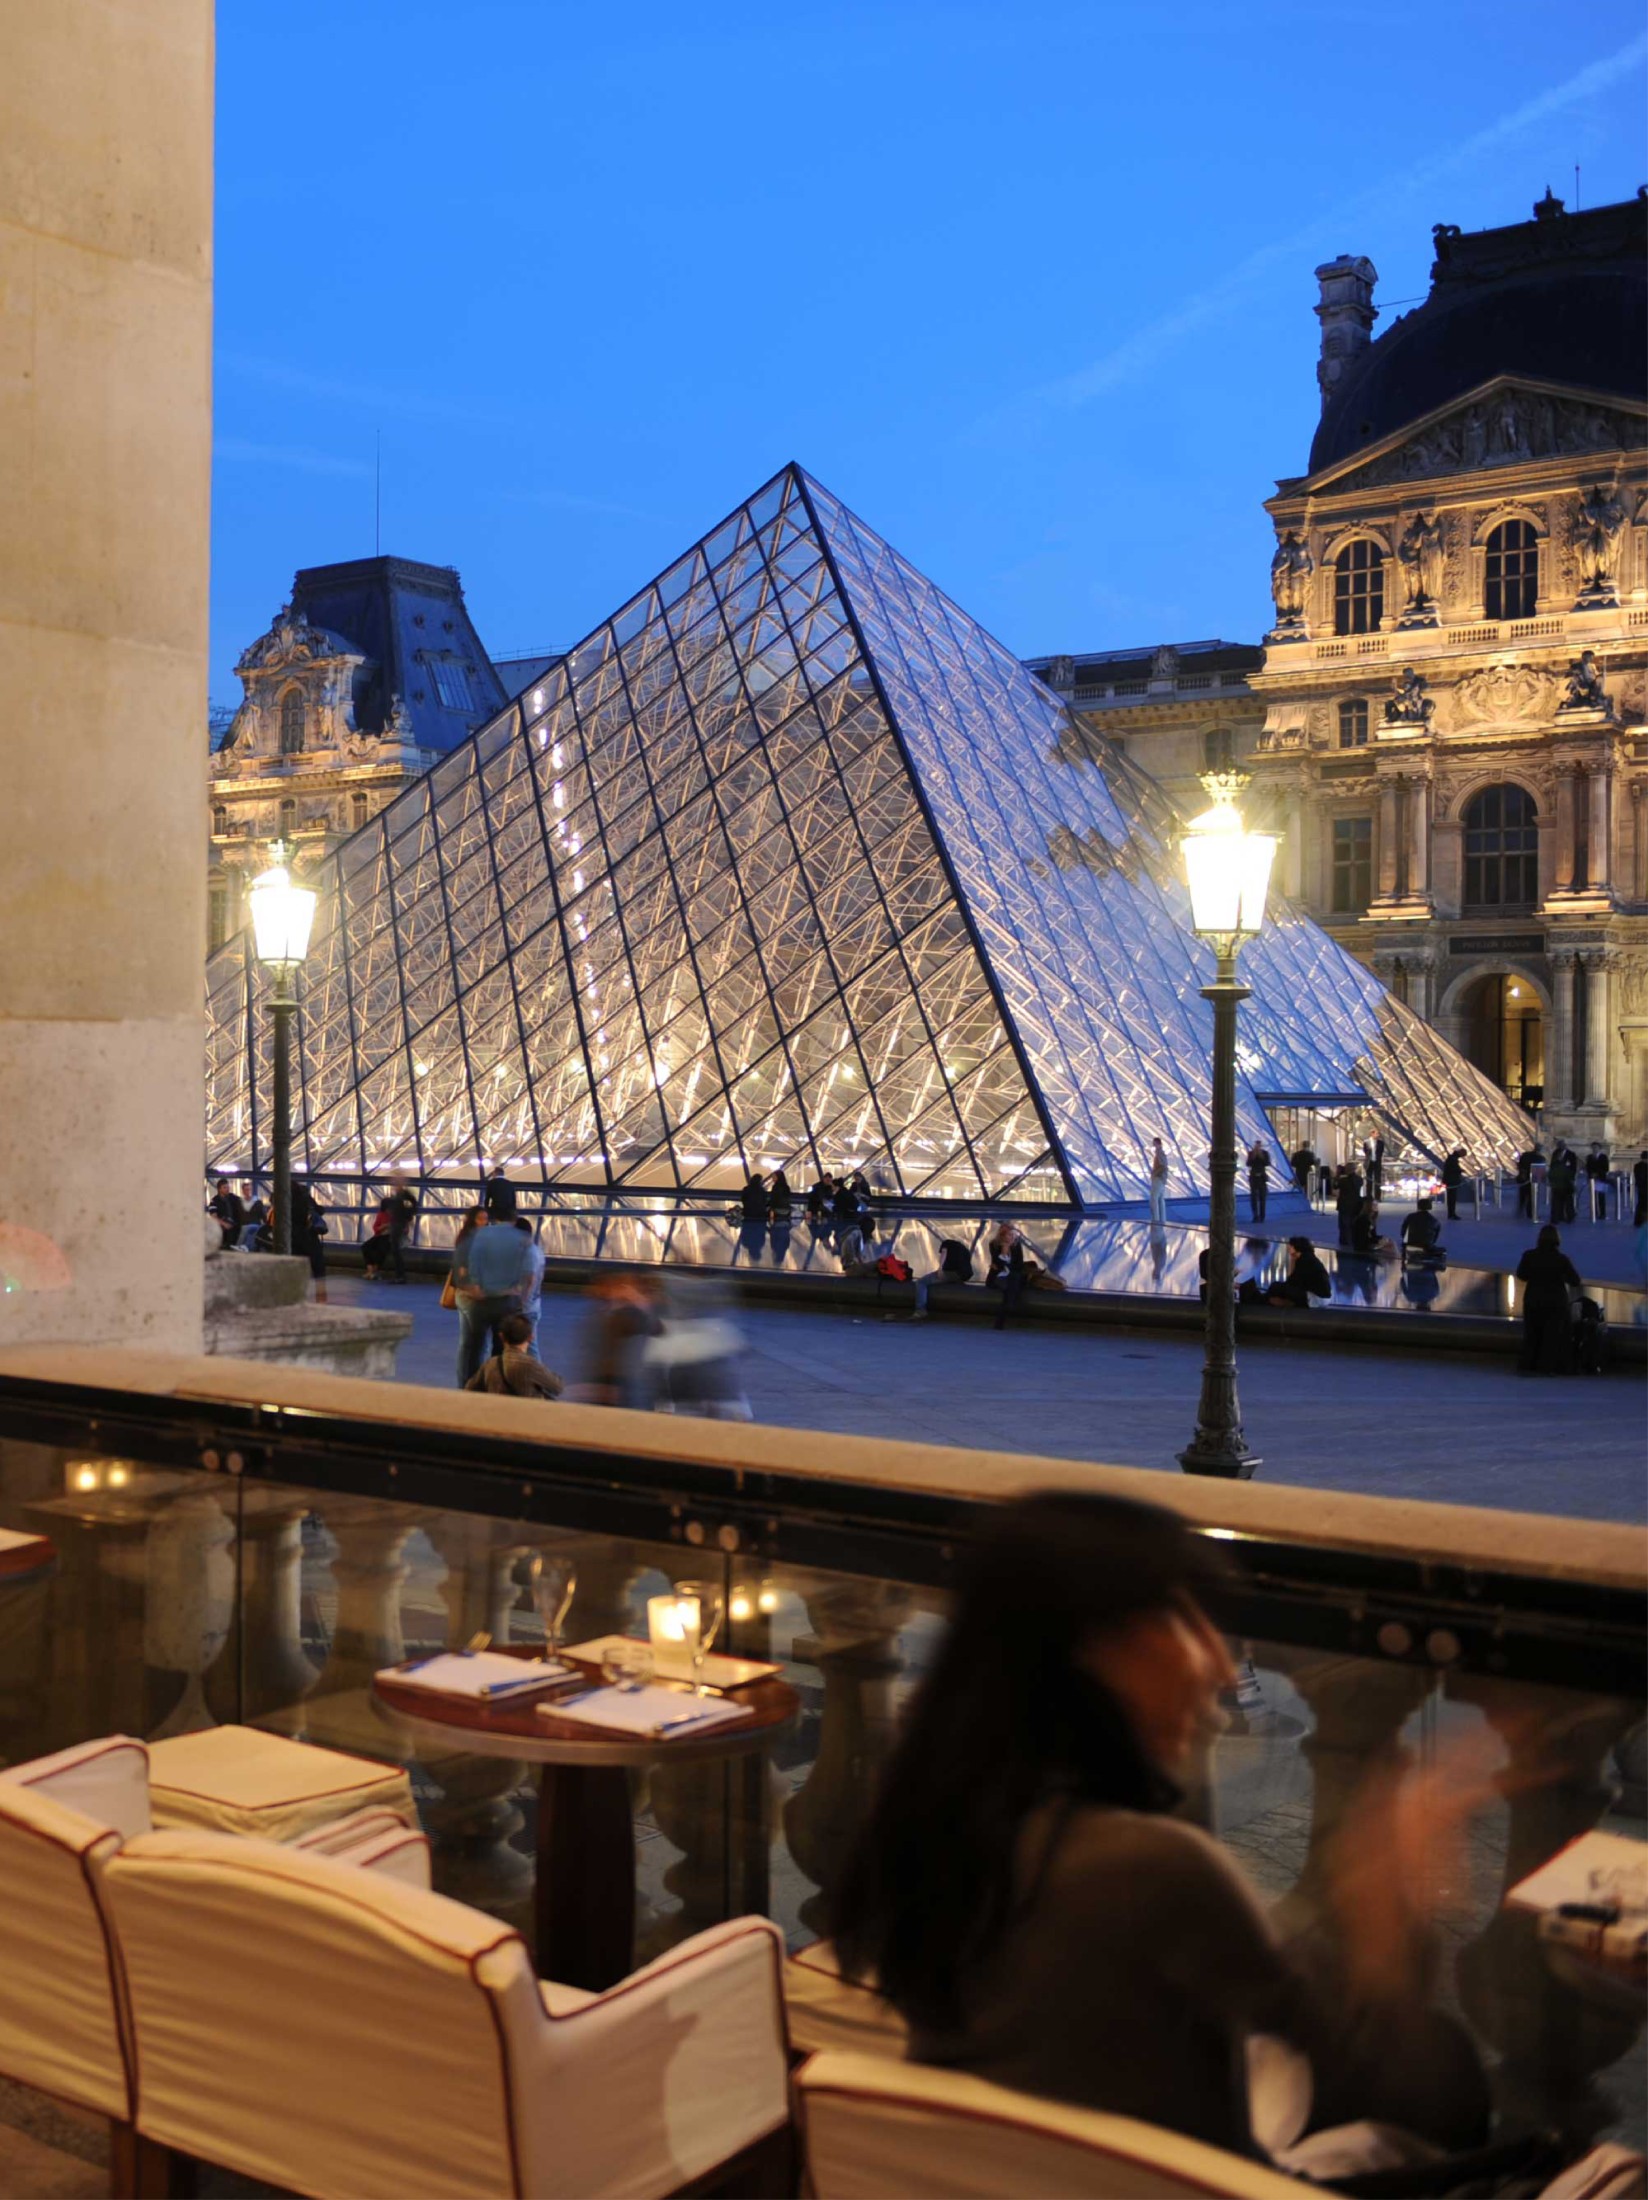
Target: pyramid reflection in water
791	863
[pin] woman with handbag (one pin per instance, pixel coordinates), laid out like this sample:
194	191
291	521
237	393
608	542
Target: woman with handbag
457	1276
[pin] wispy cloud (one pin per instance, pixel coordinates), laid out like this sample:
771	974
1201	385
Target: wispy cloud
382	401
294	456
1145	346
564	500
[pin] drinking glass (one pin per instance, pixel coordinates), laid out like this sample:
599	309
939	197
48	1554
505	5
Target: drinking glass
626	1665
710	1609
554	1583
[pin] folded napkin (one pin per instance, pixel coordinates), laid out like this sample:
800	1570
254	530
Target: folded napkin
648	1711
484	1676
13	1539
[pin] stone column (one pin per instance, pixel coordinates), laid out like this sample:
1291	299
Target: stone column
1419	839
105	456
1296	845
1599	871
1564	829
1597	963
1559	1051
1389	815
1639	839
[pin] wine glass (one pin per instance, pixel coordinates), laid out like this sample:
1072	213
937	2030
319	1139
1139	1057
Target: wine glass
626	1666
710	1610
554	1583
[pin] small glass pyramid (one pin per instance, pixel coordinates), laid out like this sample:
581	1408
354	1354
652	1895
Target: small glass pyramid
791	864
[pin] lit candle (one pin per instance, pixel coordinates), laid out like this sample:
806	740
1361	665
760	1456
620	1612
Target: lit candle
672	1627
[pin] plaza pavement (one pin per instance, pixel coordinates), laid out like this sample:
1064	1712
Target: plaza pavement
1603	1252
1452	1427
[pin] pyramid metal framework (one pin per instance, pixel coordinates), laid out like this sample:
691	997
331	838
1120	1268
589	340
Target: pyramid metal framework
791	863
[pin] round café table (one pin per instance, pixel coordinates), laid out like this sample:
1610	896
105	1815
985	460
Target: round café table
584	1894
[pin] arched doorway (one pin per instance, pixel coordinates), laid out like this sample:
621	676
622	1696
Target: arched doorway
1502	1028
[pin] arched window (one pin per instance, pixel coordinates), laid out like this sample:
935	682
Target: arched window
1353	723
291	722
1501	849
1358	588
1512	572
288	818
220	820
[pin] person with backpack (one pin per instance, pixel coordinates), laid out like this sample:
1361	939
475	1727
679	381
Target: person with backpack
515	1370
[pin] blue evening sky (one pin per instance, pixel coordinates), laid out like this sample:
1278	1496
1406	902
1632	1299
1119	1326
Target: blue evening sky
1027	283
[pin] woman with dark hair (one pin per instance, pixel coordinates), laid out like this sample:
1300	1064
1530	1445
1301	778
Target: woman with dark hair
1550	1282
1024	1898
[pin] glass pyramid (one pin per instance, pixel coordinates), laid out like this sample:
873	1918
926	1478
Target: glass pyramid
791	863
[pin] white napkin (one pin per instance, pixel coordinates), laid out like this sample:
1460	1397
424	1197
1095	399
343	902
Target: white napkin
484	1676
652	1711
12	1539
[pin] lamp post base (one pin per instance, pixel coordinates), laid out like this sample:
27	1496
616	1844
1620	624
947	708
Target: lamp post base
1223	1453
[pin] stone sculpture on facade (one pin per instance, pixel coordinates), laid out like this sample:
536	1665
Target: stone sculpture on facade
1598	527
1585	690
1061	674
1419	554
1410	702
1290	571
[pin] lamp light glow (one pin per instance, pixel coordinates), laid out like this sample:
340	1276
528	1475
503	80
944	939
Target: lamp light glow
282	912
1228	867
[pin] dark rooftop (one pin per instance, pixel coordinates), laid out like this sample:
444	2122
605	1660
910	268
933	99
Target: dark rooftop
1562	298
411	620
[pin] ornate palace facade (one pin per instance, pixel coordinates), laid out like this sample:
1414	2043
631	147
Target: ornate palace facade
371	672
1448	716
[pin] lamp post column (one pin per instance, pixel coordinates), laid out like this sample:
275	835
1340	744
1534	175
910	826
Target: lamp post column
282	1003
1219	1446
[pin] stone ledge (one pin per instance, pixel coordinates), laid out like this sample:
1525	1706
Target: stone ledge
335	1340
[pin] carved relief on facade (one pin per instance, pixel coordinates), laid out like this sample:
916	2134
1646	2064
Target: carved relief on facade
1504	693
1504	429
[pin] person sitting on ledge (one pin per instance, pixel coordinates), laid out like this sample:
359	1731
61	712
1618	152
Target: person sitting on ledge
515	1370
1306	1278
1023	1895
1421	1234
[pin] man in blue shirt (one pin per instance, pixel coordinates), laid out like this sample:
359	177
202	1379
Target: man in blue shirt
497	1263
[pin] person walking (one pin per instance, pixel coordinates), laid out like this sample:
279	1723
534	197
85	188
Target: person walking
624	1315
1526	1163
1453	1175
497	1266
1373	1157
1562	1176
1158	1184
403	1212
1549	1283
308	1228
1347	1200
1639	1184
498	1197
1258	1178
1598	1169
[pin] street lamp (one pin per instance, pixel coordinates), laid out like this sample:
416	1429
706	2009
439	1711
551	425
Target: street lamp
1229	873
281	916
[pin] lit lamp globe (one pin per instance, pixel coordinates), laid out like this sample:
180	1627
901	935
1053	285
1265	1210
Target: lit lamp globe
282	914
1228	867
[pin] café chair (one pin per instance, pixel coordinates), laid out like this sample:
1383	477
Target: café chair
239	1779
331	2032
873	2129
62	1818
827	2011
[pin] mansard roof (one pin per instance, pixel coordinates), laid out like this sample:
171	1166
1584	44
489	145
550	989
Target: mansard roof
410	620
1559	299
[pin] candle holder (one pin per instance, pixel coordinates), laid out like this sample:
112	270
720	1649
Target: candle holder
672	1629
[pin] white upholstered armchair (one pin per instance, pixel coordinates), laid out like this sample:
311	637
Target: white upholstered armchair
333	2032
874	2129
61	1820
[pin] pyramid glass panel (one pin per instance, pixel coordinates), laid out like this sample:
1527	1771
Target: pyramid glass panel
793	863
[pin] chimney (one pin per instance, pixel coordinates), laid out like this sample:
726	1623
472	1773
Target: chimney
1347	313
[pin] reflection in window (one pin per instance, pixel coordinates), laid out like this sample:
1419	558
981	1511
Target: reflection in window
1352	865
1358	588
291	722
1353	723
1501	849
1512	573
452	683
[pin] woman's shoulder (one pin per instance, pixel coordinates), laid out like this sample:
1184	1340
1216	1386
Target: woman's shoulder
1145	1843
